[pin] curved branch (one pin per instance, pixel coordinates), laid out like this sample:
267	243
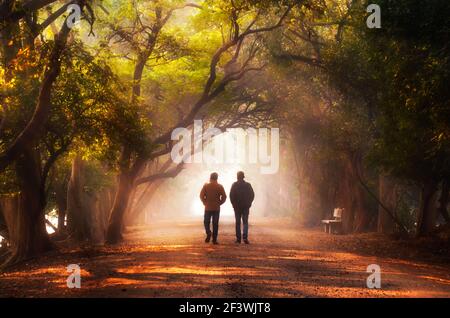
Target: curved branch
168	174
52	17
27	7
208	92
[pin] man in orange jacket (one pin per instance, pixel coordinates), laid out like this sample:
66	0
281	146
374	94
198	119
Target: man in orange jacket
213	196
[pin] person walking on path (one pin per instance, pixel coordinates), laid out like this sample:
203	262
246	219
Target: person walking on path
213	196
241	197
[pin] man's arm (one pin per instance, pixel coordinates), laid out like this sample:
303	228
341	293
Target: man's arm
223	195
233	194
252	193
203	194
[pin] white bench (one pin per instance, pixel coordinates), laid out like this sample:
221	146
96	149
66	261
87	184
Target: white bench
334	224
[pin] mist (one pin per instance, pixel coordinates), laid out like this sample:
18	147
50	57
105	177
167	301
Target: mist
179	197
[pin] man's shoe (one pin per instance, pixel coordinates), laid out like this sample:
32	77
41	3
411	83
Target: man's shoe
246	242
208	238
215	242
238	241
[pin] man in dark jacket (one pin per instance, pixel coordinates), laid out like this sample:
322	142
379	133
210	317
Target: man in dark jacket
241	197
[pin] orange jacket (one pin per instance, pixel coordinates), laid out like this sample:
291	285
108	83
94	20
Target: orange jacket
213	196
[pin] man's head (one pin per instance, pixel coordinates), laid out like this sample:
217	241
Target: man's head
240	175
214	176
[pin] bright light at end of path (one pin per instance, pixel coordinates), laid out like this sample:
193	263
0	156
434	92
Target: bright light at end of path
53	219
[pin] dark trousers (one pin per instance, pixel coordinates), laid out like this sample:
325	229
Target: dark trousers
207	221
241	214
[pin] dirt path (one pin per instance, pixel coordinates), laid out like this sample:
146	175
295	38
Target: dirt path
171	260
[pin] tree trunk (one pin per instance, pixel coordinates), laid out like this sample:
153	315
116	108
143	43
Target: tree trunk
345	200
78	212
427	214
125	188
351	197
443	201
362	215
9	206
123	194
32	238
309	195
104	205
388	196
3	226
61	203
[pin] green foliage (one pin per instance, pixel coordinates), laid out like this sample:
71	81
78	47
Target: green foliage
415	138
401	73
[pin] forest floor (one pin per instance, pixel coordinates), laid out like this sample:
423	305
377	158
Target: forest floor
170	259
